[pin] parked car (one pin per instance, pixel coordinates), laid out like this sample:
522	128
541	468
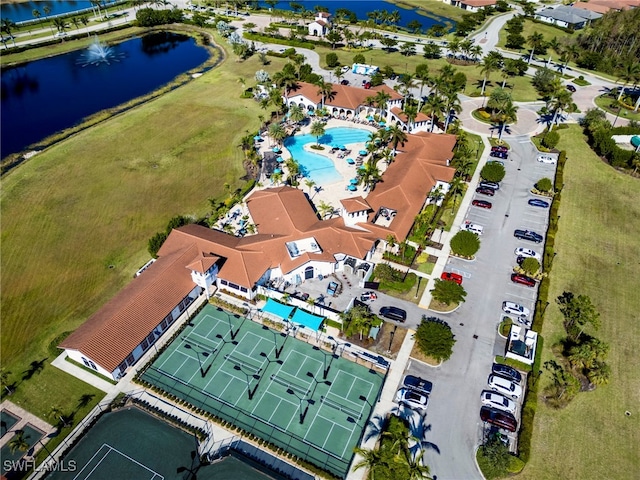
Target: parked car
490	192
345	69
481	204
498	418
472	227
332	288
504	386
496	161
515	309
571	88
418	384
546	159
536	202
344	82
528	235
523	280
413	399
503	155
500	148
394	313
487	184
367	85
366	296
499	401
507	372
452	277
527	252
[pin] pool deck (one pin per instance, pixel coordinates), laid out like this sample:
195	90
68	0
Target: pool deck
24	419
332	193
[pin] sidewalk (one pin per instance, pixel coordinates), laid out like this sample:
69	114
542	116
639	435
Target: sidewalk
385	403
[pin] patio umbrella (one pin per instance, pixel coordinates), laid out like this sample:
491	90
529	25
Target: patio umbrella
362	152
276	149
353	181
279	160
382	124
352	188
369	118
342	147
277	170
257	138
350	161
362	167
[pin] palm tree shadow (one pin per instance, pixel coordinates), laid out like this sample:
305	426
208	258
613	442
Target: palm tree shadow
34	367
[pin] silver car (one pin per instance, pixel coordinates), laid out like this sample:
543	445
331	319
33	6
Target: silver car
504	386
412	399
546	159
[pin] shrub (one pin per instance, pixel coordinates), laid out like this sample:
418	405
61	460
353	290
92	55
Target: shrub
492	172
551	139
155	243
359	58
465	243
435	339
448	292
332	59
530	265
544	185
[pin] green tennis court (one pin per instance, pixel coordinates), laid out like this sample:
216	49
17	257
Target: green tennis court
309	401
131	444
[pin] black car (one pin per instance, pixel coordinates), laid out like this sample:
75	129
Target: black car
486	184
507	372
344	82
499	418
528	235
496	154
486	191
417	383
393	313
571	88
500	148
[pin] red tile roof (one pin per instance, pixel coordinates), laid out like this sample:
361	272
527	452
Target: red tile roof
112	333
398	112
344	96
355	204
478	3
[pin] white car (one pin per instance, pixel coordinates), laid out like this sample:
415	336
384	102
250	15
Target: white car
497	400
345	69
515	309
412	399
546	159
472	227
504	386
527	252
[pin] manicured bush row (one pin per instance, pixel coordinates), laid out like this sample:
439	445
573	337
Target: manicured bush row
279	39
529	406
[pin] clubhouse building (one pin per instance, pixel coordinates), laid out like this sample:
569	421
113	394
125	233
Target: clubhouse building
291	245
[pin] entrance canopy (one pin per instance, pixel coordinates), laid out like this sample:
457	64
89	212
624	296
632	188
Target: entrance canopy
278	309
307	319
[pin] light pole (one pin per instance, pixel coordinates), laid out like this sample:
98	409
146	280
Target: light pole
233	334
303	414
327	367
391	335
275	340
312	377
220	337
255	377
264	355
204	354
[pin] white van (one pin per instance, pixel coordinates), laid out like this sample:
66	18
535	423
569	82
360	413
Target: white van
473	227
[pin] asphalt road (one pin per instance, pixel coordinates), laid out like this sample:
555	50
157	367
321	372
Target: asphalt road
455	400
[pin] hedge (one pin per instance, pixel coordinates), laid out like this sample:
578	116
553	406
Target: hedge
283	41
529	407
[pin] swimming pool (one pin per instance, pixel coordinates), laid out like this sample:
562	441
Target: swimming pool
320	168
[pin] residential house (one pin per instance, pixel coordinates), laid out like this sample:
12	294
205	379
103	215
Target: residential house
567	17
473	5
320	25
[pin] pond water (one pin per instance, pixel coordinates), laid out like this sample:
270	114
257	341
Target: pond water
23	11
362	7
43	97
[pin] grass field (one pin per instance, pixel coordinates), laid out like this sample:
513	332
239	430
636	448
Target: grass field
605	102
529	28
598	252
435	7
76	218
520	87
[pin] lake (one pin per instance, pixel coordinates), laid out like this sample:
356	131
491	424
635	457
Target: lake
23	11
43	97
362	7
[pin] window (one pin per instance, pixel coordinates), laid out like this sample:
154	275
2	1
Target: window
242	289
123	366
131	359
144	344
86	362
151	338
92	365
163	324
224	282
234	286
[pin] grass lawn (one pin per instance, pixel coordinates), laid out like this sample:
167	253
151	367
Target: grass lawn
520	87
605	102
598	252
434	7
529	28
76	218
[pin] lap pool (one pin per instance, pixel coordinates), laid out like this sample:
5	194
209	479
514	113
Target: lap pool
321	168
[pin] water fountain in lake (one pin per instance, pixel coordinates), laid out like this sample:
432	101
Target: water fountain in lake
98	53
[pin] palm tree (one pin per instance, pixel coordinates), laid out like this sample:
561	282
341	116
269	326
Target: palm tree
561	101
406	82
276	178
629	72
97	3
535	41
503	109
7	26
76	22
85	21
411	111
310	184
396	136
599	373
325	89
370	174
317	130
422	76
452	106
465	48
296	114
277	132
381	100
435	107
456	187
454	47
19	442
418	471
60	24
370	460
492	62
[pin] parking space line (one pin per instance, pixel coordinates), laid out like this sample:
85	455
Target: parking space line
528	299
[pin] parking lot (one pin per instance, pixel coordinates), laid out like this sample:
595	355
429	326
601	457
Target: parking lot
454	404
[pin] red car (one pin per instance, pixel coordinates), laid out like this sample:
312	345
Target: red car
486	191
367	85
453	277
499	148
523	280
481	204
